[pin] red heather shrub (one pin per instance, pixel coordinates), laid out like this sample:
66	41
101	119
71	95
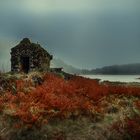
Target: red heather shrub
130	127
133	128
57	97
137	104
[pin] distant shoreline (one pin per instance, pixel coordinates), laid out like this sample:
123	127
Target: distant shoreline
114	78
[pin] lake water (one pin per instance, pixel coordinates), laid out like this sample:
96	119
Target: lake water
115	78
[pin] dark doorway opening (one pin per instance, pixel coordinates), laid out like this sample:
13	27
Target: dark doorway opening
25	64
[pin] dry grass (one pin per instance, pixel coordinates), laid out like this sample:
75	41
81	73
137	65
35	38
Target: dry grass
90	117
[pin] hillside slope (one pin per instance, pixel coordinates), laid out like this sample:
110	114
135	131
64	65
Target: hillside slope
48	107
116	69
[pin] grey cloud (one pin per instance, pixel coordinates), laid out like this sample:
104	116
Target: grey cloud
98	36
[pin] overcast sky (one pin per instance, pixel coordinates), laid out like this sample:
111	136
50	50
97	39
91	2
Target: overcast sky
83	33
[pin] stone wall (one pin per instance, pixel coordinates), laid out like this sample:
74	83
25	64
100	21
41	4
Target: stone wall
39	58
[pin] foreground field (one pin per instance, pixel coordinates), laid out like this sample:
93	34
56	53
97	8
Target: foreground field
46	106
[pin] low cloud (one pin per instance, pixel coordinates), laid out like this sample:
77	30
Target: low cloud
85	33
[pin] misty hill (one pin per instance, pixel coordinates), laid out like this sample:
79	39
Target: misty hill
66	67
116	69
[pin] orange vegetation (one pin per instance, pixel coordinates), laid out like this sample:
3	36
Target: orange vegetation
57	97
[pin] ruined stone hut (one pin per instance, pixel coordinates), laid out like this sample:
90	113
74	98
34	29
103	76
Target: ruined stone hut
28	56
